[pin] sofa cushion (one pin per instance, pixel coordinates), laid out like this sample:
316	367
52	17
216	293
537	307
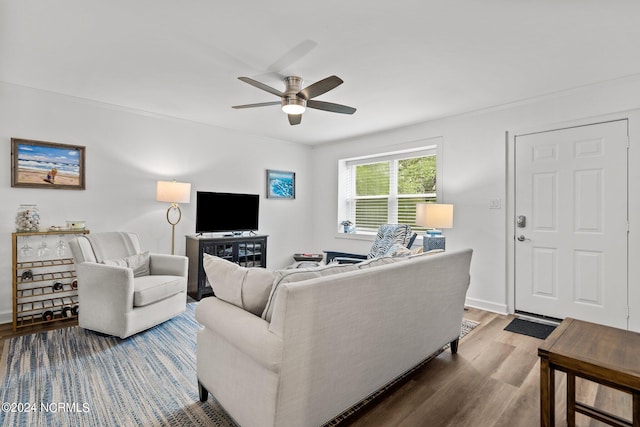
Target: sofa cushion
428	253
138	263
150	289
297	275
376	262
247	288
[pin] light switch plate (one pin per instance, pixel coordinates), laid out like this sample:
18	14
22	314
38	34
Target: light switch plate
495	204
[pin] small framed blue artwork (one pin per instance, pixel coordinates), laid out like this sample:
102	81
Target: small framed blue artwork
281	184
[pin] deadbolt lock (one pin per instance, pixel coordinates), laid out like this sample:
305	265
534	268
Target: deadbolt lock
521	222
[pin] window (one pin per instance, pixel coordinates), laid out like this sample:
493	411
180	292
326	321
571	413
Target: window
385	188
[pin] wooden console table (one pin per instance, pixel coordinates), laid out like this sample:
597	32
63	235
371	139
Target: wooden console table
602	354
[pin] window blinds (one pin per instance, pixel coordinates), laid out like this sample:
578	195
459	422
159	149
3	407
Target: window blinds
385	189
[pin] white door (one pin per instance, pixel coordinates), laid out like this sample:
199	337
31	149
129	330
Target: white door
571	246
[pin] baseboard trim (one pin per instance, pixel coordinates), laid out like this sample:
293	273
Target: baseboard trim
487	305
6	317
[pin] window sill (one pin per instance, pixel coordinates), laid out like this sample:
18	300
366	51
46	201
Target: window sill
356	236
371	237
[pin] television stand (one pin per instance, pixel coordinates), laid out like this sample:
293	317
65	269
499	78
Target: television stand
246	251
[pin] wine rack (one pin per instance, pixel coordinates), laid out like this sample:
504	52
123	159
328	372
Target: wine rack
44	288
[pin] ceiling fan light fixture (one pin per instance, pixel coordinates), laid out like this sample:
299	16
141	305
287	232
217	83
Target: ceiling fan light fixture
295	100
291	105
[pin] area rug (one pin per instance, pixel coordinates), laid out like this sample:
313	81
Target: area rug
532	329
74	377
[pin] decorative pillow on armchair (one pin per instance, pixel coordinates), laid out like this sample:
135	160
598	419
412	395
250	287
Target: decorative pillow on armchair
389	234
247	288
138	263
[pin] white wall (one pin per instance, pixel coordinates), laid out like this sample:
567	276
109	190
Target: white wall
475	171
126	153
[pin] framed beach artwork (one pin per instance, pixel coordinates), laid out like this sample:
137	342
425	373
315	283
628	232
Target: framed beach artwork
39	164
281	184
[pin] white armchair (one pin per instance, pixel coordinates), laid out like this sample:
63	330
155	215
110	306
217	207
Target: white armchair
122	291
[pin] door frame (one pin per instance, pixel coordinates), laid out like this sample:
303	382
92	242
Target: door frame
632	203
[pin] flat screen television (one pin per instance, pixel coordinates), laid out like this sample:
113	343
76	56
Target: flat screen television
226	212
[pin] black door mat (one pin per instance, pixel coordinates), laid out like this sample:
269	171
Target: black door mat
532	329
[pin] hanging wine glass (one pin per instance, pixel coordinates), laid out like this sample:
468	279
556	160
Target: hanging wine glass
26	250
61	247
43	249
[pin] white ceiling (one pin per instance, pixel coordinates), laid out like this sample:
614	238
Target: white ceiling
402	62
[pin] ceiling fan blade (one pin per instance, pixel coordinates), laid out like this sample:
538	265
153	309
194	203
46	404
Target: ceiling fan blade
295	119
261	86
330	106
320	87
261	104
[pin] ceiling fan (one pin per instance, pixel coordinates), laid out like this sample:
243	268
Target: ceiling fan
294	100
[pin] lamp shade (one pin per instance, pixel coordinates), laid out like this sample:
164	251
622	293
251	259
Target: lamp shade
173	192
434	215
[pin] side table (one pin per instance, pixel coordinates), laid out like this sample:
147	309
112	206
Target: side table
598	353
307	257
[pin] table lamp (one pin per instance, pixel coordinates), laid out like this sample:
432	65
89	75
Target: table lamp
174	193
434	216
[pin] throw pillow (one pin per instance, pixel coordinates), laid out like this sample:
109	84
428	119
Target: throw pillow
256	289
139	263
397	250
387	235
247	288
418	250
297	275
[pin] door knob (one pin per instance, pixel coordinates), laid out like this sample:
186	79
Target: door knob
521	238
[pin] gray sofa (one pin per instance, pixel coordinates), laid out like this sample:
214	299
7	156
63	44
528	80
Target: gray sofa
333	338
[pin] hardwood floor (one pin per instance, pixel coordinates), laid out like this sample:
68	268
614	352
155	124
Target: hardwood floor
493	381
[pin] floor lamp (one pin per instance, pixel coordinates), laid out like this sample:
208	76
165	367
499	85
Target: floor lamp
434	216
174	193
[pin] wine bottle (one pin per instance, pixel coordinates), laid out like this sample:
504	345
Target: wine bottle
47	315
75	310
57	286
66	312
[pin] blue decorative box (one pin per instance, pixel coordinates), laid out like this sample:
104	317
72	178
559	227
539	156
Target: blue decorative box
433	241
